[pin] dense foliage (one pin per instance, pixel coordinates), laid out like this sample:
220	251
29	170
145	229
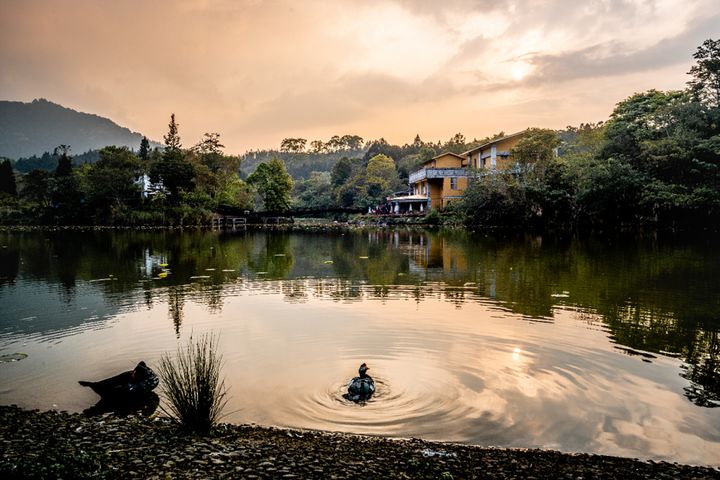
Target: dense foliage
654	165
169	186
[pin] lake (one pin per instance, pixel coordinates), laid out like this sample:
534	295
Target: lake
592	345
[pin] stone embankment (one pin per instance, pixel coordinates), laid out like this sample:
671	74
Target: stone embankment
63	445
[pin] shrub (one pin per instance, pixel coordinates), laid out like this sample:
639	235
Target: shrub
194	391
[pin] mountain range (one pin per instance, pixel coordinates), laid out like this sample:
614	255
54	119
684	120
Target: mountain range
33	128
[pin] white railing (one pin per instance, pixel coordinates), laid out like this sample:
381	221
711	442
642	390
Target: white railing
438	173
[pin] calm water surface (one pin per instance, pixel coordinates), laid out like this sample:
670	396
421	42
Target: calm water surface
595	346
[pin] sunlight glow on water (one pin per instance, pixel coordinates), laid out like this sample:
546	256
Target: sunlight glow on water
470	340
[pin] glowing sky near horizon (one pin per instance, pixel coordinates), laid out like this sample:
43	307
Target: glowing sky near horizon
258	71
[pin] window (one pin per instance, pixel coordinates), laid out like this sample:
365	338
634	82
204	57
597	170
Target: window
453	183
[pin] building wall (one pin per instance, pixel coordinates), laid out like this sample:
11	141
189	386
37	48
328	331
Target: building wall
445	161
502	163
448	194
436	192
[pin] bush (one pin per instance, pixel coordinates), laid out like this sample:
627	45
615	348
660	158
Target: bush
194	392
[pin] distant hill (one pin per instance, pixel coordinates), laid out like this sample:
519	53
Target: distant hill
33	128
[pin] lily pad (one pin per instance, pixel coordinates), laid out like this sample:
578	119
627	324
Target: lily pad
12	357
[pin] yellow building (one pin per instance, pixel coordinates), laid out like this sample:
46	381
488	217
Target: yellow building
495	154
445	177
440	180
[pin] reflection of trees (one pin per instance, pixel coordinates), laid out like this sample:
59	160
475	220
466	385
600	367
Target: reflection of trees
272	255
9	263
652	298
703	370
176	303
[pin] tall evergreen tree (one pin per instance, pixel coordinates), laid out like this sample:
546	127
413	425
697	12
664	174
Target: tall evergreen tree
175	172
7	179
172	139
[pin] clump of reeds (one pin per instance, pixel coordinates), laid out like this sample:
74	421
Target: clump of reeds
195	394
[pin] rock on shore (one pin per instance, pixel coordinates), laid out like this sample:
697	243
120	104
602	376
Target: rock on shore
58	444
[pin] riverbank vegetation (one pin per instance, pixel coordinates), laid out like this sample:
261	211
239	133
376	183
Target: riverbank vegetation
655	164
193	385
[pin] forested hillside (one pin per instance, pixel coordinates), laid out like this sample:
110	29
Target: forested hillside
28	129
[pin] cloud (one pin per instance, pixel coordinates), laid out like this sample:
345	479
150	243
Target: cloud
614	58
258	71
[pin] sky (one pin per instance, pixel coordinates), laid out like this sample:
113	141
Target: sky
258	71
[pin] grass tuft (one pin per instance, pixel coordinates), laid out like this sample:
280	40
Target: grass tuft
195	394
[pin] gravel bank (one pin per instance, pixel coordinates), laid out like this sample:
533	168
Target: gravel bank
58	444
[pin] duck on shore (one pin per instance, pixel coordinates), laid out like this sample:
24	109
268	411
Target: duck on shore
362	387
139	381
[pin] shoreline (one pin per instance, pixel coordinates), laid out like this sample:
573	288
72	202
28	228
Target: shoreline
60	444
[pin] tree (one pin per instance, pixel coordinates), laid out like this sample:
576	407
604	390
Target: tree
456	144
380	178
172	139
112	181
315	192
210	151
351	142
274	185
66	195
295	145
35	187
7	179
340	172
173	170
64	165
144	152
536	147
317	146
334	144
705	84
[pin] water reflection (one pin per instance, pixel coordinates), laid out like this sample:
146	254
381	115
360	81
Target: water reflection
654	304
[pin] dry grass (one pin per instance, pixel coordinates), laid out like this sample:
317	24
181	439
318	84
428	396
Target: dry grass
195	394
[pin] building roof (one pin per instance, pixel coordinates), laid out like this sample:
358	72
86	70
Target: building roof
480	147
448	153
442	155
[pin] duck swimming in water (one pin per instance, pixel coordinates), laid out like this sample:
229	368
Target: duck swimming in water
361	388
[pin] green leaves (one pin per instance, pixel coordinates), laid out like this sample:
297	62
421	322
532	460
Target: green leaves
274	185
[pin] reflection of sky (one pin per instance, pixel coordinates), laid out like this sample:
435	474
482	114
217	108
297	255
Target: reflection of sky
467	344
479	374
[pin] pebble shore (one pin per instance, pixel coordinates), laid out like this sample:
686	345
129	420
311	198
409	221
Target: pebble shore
54	444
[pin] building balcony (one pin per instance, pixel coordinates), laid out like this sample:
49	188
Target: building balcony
431	173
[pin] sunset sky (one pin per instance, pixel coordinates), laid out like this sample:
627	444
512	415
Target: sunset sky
258	71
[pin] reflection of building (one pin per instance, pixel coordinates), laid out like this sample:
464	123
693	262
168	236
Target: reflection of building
445	177
434	258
